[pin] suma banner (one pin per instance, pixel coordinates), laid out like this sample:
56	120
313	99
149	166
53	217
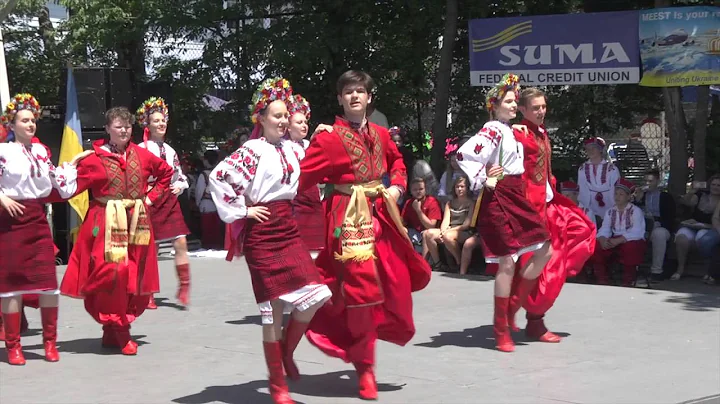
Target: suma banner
569	49
680	46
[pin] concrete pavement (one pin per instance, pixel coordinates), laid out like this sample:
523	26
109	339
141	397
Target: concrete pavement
621	346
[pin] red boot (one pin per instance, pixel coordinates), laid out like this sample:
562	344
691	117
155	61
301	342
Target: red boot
293	334
12	338
503	339
2	330
24	326
109	339
125	342
183	293
151	303
278	387
536	329
518	299
366	381
49	316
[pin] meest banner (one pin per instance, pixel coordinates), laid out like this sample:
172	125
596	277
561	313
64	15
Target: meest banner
680	46
568	49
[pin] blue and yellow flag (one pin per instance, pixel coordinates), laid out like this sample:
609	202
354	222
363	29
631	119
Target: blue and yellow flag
72	145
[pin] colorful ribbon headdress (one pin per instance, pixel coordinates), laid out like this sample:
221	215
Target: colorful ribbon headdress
300	104
19	103
268	91
509	82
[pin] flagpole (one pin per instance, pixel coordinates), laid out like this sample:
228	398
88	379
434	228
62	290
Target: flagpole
4	85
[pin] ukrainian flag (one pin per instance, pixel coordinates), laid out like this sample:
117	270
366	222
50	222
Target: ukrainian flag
72	145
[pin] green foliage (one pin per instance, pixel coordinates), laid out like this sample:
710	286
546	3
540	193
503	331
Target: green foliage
310	42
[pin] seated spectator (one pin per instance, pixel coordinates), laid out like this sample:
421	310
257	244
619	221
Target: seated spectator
571	190
711	245
621	236
659	207
451	174
423	170
420	213
454	231
699	226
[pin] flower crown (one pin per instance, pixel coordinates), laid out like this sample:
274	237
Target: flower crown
149	107
300	104
509	82
18	103
268	91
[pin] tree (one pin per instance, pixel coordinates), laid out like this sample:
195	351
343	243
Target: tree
444	75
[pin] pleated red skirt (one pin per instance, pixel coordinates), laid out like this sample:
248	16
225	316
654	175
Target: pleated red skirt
167	219
310	218
27	256
508	223
278	260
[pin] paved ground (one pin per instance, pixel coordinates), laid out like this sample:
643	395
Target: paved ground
621	346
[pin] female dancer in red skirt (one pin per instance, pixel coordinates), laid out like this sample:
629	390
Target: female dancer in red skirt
258	183
26	246
166	216
508	224
307	206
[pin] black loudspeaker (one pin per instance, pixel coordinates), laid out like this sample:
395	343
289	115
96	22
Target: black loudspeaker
92	96
99	90
121	89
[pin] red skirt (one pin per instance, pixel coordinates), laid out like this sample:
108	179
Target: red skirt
27	257
213	231
167	218
310	218
278	260
508	223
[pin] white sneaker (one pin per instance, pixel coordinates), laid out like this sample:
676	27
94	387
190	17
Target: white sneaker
676	276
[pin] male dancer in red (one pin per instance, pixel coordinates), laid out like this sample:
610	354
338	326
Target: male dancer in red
368	262
572	234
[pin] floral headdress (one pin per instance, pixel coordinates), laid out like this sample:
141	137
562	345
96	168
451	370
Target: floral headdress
509	82
300	104
18	103
268	91
149	107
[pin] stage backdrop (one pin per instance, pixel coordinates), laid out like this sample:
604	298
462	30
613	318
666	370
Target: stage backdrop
680	46
569	49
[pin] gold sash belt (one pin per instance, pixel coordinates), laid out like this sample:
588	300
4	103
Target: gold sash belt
357	236
117	234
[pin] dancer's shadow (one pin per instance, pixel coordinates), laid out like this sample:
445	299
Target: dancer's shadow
29	356
478	337
341	384
31	332
165	302
247	320
87	346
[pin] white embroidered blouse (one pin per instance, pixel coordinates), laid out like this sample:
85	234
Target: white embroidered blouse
484	149
167	153
27	173
629	223
597	186
257	172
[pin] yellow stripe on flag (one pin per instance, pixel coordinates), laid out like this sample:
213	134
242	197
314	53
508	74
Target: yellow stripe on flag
72	145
